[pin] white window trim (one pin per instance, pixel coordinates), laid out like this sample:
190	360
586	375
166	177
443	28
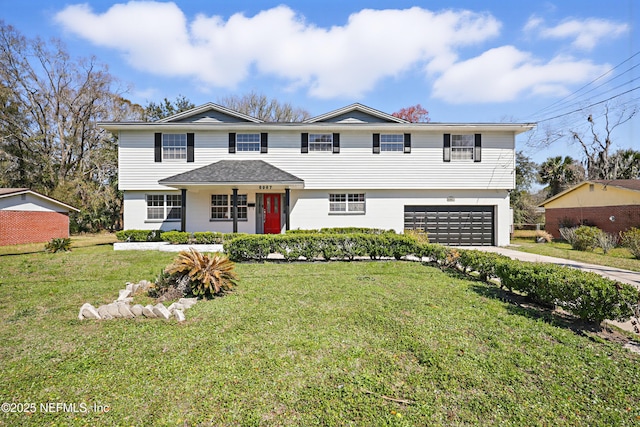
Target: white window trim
229	207
238	150
180	147
321	143
465	148
165	208
348	204
387	144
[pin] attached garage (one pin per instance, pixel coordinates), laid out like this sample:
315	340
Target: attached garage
453	225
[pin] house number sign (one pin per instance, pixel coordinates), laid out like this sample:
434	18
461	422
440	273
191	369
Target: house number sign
265	187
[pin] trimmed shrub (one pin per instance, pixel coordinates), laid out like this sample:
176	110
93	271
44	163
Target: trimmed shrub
484	263
631	240
176	237
249	247
139	235
208	238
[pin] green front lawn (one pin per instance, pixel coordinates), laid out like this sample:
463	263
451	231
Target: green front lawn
618	257
360	343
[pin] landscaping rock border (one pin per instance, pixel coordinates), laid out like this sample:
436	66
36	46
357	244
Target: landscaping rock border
122	308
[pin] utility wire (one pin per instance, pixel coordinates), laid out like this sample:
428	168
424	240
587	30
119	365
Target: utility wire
590	105
588	84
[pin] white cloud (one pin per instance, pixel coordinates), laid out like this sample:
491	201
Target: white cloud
585	33
342	61
504	74
339	61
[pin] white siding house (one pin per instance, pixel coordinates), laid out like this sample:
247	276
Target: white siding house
213	169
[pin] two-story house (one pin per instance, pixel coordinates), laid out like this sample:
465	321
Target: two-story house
214	169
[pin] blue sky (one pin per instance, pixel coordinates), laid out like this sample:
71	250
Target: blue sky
464	61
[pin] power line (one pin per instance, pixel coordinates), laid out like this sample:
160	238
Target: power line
590	83
589	106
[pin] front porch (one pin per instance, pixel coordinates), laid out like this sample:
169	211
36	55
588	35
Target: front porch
250	196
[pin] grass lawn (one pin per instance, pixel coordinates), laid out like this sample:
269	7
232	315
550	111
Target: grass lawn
618	257
360	343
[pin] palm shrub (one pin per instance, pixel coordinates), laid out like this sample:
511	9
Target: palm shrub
58	244
208	275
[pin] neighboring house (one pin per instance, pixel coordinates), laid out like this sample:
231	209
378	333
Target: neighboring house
30	217
611	205
211	168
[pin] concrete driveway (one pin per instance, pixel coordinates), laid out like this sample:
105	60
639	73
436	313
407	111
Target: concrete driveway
624	276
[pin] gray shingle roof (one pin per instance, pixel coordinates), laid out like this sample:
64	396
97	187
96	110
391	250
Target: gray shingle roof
233	171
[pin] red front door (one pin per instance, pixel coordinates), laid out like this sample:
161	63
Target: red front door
272	214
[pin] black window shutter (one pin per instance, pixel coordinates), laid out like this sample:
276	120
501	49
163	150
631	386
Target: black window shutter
477	148
336	143
232	143
158	147
264	144
304	143
376	143
446	151
190	147
407	143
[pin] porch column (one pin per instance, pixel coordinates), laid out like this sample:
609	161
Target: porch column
235	210
287	219
183	219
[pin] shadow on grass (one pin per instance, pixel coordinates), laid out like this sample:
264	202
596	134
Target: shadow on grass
522	305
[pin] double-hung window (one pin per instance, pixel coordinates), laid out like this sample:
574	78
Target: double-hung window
462	147
161	207
392	142
222	206
248	142
465	147
347	203
320	142
174	146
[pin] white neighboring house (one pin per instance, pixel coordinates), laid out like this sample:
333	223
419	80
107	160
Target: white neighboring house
214	169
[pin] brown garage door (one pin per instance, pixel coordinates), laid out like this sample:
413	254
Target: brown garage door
453	225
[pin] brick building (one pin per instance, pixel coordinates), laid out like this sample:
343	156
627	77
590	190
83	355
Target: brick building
29	217
611	205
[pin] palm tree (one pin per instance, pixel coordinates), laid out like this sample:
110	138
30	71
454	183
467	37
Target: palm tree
560	173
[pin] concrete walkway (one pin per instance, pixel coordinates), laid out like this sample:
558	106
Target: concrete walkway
624	276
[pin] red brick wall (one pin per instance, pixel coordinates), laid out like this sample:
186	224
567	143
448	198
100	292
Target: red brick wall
626	217
32	227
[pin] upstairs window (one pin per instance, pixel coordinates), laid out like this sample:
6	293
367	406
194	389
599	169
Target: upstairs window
248	142
174	146
320	142
462	147
161	207
392	142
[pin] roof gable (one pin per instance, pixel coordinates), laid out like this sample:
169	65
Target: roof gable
355	113
12	192
594	193
209	113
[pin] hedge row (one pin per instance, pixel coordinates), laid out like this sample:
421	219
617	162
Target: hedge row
343	230
587	295
175	237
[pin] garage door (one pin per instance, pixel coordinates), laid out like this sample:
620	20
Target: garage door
452	225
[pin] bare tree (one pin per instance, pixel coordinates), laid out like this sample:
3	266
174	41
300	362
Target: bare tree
49	140
263	108
597	141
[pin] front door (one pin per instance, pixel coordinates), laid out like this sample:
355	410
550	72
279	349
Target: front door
271	206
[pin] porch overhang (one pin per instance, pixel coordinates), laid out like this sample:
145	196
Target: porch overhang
235	173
